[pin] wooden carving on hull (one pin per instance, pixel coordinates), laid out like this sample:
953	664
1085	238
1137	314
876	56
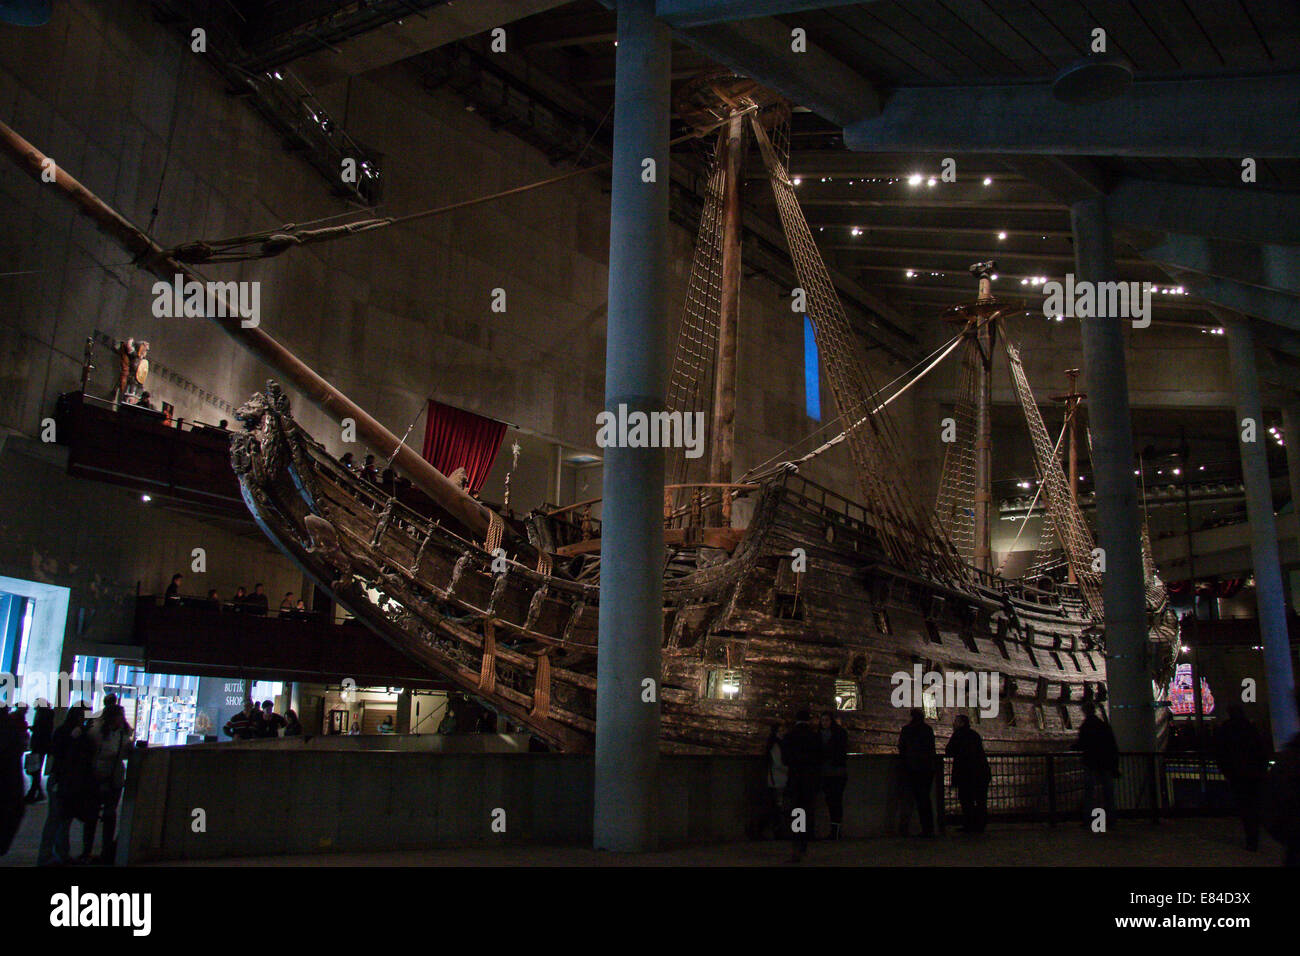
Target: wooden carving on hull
748	636
847	624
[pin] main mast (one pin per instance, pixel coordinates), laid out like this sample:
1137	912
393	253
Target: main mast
724	380
985	331
1071	400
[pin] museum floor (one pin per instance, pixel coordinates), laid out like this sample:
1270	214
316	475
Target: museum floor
1184	842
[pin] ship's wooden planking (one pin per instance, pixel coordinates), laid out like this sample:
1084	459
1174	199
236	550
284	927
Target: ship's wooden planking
524	640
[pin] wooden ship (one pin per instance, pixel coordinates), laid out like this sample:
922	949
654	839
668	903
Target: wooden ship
816	601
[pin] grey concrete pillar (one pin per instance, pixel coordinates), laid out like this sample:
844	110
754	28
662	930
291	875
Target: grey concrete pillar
1128	674
1270	598
1291	435
636	360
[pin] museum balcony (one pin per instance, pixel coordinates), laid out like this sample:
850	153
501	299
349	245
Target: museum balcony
207	638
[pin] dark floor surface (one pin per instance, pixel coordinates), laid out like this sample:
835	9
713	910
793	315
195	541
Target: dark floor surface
1184	842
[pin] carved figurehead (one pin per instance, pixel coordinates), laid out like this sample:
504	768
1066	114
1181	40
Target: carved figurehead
252	449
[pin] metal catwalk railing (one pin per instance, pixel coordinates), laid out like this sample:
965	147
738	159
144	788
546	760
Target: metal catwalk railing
1050	787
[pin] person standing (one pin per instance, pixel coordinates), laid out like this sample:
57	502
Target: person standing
1100	763
916	748
42	733
257	601
1241	754
802	750
970	774
71	787
110	739
243	725
271	721
173	592
775	778
835	769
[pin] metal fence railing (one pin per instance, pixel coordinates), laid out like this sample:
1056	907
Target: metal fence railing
1050	787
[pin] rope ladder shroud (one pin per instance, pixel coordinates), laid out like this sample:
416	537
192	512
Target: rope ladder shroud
911	534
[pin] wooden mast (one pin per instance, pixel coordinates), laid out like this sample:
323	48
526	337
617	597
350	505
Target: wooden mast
1071	400
985	330
724	380
149	255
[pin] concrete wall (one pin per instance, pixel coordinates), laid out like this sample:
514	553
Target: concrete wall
100	541
261	801
392	317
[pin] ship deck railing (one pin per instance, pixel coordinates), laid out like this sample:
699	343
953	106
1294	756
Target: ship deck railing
1050	787
686	506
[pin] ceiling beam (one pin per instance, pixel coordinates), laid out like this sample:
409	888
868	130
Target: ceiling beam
761	49
1276	307
1199	118
1240	212
1260	264
682	14
412	35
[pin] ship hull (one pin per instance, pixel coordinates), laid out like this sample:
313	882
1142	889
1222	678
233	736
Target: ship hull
804	608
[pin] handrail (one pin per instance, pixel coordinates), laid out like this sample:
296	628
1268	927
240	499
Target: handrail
735	486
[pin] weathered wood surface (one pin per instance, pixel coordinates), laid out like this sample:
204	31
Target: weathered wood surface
437	596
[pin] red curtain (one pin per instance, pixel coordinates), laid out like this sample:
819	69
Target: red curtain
455	438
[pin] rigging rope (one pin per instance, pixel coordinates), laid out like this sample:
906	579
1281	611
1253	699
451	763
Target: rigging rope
909	533
757	471
272	242
1066	518
1037	492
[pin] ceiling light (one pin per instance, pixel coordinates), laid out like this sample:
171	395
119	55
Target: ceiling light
988	181
146	499
1002	235
931	181
914	179
797	180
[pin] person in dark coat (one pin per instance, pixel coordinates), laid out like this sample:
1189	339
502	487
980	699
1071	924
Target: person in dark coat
1282	799
42	733
916	748
72	787
835	769
13	744
244	725
1100	762
292	726
802	751
970	774
1242	755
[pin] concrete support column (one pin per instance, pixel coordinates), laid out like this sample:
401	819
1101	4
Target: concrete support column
1291	435
1270	597
1128	674
636	360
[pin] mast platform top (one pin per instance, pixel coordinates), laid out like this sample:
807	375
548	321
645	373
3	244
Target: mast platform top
716	95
